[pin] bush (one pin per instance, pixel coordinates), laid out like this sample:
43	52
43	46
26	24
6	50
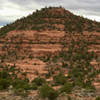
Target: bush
4	84
34	86
64	65
21	84
66	88
97	98
69	98
38	81
48	92
89	86
21	92
4	74
60	79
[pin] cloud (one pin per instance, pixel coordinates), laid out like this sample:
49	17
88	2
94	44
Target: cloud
10	10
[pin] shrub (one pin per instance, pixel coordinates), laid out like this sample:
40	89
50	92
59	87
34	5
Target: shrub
4	84
34	86
48	92
21	92
5	80
4	74
60	79
48	75
64	65
97	98
12	69
21	84
31	56
89	86
39	81
54	59
69	98
66	88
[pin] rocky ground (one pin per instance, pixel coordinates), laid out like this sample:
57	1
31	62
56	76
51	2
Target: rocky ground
77	94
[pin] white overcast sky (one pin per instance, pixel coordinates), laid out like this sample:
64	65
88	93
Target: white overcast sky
10	10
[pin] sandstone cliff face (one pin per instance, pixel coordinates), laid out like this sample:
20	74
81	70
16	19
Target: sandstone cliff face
24	48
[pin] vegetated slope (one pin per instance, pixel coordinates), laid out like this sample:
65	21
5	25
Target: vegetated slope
55	45
48	28
53	18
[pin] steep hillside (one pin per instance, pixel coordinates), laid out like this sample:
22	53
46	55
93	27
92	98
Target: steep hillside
55	47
